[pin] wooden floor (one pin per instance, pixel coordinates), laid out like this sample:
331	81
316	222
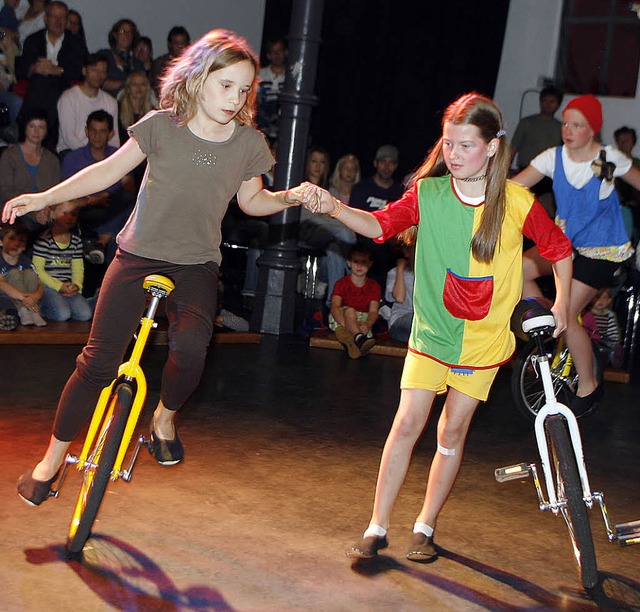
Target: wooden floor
77	332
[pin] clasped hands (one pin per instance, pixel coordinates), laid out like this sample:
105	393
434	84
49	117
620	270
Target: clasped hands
313	198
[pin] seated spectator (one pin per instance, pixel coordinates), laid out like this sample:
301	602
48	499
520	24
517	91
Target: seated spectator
271	85
399	293
143	52
51	61
20	287
322	232
78	102
355	304
135	102
103	214
33	19
374	193
76	26
626	139
9	23
123	38
28	167
177	41
345	175
57	256
8	52
604	329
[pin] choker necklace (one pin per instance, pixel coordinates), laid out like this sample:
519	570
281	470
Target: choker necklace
473	179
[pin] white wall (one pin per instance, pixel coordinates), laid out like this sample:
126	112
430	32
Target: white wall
155	18
529	53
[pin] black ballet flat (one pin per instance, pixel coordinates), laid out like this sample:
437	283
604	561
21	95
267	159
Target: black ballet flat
584	406
166	452
32	491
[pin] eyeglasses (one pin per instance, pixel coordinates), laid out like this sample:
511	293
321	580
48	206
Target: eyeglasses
122	31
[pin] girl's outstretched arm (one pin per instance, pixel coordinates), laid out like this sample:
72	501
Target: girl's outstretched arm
256	201
91	179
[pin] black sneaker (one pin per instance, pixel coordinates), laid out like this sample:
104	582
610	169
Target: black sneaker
368	547
166	452
33	491
364	344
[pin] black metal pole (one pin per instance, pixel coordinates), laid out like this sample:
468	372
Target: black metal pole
274	305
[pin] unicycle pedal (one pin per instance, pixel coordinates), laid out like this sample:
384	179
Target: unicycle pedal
513	472
628	534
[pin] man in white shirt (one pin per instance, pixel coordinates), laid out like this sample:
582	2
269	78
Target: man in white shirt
78	102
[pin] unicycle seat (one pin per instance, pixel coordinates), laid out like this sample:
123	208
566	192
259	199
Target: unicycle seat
158	285
531	317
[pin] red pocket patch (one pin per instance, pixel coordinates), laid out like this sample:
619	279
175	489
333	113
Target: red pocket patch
468	298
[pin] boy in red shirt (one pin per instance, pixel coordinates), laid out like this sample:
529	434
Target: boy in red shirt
354	305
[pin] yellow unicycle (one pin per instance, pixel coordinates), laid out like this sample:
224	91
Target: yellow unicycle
112	427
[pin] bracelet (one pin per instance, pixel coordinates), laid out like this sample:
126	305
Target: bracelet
337	212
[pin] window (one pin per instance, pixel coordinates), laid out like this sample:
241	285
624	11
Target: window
599	49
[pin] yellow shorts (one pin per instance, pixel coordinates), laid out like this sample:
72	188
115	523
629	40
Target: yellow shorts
422	372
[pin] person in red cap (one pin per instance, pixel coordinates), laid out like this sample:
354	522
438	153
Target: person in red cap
589	213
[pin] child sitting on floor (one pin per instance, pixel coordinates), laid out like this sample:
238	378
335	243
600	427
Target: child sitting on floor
20	287
354	305
603	327
58	258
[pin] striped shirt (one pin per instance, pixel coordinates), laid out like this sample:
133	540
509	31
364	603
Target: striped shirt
58	261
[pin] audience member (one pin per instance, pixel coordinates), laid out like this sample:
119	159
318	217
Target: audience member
345	175
271	84
20	287
103	214
374	193
321	232
28	166
355	304
626	139
135	102
79	101
603	327
9	23
123	38
75	25
588	211
539	132
51	61
143	52
8	52
33	19
57	256
177	41
399	293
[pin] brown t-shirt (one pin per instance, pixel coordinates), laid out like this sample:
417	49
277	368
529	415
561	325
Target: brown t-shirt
187	188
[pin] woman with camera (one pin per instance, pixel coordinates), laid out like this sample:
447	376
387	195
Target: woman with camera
589	213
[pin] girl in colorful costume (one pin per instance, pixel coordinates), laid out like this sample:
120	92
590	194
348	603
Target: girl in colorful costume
468	278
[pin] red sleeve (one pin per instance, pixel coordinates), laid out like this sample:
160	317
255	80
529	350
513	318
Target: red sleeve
398	216
549	238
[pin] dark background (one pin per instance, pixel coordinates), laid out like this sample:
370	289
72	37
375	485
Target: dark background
387	70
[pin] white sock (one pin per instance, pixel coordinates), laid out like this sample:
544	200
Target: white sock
375	530
419	527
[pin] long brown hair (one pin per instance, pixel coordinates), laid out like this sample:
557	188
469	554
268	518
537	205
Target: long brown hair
187	73
476	109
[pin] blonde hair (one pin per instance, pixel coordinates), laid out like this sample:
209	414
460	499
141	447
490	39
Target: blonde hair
480	111
125	110
335	177
187	73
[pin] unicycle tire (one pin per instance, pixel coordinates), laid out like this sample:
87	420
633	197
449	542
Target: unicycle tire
95	480
569	493
526	382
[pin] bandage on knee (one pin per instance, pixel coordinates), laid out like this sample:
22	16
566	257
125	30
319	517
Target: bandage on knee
447	452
